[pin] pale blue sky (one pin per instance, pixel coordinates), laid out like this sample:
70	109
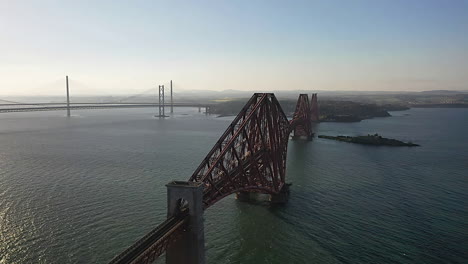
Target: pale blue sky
119	47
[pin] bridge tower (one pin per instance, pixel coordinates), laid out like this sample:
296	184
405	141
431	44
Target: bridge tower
161	101
190	248
301	122
68	96
172	101
314	109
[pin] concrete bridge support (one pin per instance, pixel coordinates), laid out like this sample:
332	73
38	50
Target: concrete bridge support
190	248
308	138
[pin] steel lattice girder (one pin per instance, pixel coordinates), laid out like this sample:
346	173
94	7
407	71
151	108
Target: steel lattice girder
314	108
250	155
301	123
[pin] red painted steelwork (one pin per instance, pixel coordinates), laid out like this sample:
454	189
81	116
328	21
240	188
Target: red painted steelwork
301	124
314	109
250	155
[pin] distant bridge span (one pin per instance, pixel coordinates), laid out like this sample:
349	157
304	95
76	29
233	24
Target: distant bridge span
250	156
8	108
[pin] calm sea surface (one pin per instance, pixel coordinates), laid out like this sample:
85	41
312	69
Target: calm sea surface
81	190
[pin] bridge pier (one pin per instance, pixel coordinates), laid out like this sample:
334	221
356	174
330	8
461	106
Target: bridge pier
190	248
282	197
68	97
308	138
161	104
244	196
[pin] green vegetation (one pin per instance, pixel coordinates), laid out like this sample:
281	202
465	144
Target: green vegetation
350	106
375	140
347	111
330	111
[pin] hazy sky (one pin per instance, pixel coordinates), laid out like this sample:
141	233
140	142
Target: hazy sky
114	47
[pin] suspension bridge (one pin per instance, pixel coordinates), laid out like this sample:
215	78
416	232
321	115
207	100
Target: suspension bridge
249	157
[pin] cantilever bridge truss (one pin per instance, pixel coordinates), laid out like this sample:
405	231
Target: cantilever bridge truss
250	156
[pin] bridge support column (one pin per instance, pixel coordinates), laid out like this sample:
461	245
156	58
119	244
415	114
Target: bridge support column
172	101
161	104
68	97
190	248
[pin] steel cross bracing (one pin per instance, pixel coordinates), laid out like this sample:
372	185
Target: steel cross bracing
314	109
301	123
251	153
249	156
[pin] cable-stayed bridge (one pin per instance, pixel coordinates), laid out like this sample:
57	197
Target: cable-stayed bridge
22	107
138	100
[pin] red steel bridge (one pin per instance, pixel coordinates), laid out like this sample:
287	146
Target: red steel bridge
250	156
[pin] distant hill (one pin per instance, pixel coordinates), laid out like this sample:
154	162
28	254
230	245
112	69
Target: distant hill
443	92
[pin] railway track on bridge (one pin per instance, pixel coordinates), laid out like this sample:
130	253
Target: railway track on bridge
154	244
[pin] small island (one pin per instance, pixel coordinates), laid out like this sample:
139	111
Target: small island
375	140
